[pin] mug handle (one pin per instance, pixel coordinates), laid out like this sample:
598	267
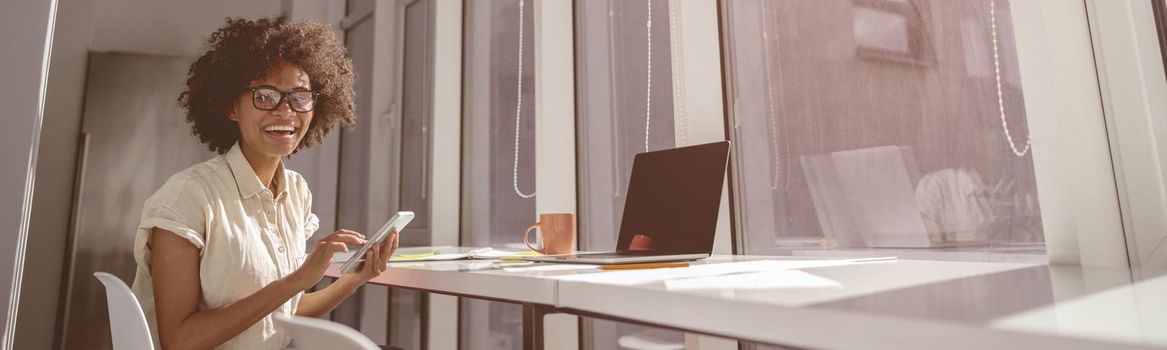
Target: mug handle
527	233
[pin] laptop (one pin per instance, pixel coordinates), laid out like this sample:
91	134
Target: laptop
670	211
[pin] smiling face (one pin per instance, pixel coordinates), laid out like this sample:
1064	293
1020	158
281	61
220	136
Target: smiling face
275	133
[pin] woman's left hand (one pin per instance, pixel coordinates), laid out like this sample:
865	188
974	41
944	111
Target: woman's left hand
376	260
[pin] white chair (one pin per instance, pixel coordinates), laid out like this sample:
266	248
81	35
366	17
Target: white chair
652	339
127	323
313	333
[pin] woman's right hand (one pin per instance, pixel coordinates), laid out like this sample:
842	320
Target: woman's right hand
310	273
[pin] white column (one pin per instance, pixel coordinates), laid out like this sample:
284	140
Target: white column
554	106
446	162
555	133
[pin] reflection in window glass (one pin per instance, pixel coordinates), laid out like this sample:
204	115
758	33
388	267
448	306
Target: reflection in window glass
625	107
416	117
498	151
874	126
881	30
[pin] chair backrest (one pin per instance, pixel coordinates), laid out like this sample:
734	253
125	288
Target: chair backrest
127	323
312	333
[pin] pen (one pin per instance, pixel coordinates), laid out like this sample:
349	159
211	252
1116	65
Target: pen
643	266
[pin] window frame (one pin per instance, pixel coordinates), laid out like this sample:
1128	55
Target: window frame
369	310
386	102
1128	47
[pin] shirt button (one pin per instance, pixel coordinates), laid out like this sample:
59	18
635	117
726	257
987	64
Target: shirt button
282	249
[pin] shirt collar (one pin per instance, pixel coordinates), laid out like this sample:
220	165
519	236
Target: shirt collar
247	180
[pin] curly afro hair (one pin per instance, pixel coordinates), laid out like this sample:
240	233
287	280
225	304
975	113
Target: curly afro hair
243	51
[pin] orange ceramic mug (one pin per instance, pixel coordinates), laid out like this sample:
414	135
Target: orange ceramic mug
558	230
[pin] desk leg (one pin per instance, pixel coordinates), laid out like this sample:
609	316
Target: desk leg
533	325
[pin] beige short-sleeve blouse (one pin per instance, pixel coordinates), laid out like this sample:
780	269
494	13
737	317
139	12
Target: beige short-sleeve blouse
247	237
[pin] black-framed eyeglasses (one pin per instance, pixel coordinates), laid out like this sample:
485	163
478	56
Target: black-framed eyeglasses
267	98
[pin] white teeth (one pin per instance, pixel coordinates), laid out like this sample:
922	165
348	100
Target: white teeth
279	128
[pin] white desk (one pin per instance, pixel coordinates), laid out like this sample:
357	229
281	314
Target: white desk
904	304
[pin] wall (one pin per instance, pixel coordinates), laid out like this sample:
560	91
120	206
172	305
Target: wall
167	27
24	28
53	194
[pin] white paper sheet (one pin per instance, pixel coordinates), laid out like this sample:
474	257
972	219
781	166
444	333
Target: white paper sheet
435	257
633	277
780	279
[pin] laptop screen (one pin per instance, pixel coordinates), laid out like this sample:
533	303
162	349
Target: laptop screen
673	199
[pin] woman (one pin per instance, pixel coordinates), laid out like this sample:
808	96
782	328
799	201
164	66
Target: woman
221	246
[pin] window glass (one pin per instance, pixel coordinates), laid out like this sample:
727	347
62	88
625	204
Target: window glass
498	180
880	127
624	78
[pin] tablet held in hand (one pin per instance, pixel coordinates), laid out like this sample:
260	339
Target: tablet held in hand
395	224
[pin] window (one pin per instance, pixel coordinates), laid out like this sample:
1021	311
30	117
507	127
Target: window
902	127
498	179
625	107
